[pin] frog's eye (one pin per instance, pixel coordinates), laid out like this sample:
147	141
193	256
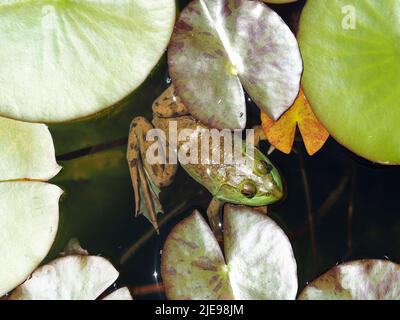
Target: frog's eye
262	168
248	189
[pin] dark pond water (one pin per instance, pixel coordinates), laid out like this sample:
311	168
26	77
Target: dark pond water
353	203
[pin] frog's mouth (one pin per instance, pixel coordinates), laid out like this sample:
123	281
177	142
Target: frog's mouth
232	195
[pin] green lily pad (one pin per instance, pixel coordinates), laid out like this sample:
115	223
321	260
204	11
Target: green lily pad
258	263
351	67
68	278
64	60
357	280
220	46
28	206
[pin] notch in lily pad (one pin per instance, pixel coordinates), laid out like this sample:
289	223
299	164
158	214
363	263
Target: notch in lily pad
221	47
29	211
258	263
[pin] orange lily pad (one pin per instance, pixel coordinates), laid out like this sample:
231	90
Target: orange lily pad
281	133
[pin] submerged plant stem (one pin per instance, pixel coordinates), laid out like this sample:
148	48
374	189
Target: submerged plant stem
350	210
310	214
152	232
325	207
92	150
148	289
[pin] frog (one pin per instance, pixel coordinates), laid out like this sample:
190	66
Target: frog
255	182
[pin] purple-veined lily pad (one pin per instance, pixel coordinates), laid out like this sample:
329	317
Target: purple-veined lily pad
351	73
258	262
220	46
357	280
259	256
192	264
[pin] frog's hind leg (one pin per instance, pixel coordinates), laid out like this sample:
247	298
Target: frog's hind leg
147	179
169	105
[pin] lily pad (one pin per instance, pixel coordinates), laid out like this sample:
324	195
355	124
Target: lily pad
220	46
258	263
279	1
68	278
28	206
119	294
357	280
64	60
351	73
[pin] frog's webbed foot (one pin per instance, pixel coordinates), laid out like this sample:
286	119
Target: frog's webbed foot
213	214
146	179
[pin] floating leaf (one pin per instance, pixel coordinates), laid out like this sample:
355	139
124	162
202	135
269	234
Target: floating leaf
279	1
28	205
281	133
193	265
220	46
120	294
258	264
358	280
74	248
351	73
65	60
68	278
27	151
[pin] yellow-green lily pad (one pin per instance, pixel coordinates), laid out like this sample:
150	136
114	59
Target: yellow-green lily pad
351	77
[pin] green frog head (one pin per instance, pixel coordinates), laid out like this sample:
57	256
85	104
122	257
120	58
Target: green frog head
256	184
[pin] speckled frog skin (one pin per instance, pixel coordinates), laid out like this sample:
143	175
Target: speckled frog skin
254	182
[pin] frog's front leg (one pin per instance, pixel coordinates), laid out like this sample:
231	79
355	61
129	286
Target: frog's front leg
213	214
146	178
